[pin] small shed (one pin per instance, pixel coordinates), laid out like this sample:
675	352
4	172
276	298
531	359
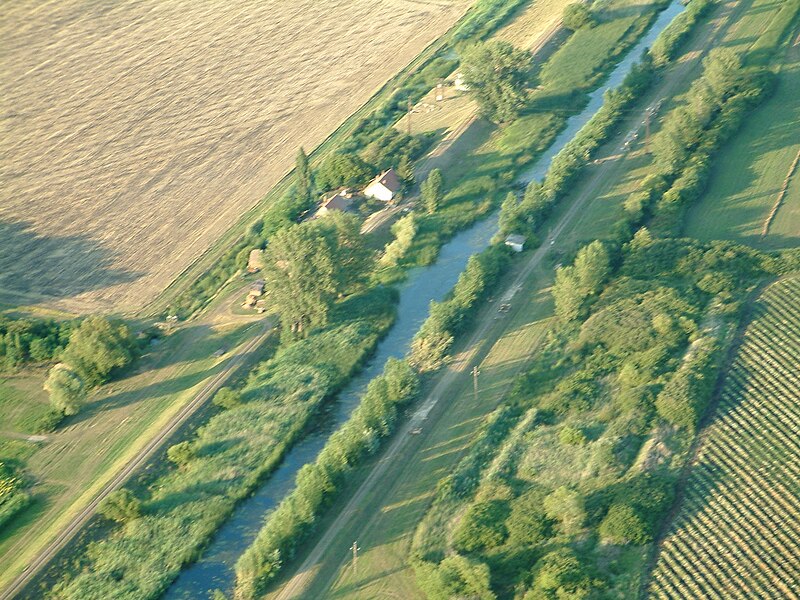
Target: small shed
516	242
257	288
384	187
459	83
255	261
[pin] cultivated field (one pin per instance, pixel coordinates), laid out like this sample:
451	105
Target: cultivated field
737	534
135	133
750	172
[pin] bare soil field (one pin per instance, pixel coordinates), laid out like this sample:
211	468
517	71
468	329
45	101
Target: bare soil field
135	133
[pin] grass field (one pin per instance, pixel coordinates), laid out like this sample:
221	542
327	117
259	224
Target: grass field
750	172
23	402
737	530
135	134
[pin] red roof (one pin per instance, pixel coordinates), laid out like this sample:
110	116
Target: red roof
389	180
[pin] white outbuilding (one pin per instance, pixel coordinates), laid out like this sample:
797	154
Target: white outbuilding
516	242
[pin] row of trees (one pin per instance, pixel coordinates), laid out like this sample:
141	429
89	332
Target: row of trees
318	482
25	341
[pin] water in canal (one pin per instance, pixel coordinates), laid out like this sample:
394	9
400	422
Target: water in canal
214	570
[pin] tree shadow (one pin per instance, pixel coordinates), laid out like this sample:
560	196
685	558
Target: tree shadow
41	267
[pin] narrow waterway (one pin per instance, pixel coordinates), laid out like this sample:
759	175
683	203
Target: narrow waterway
214	570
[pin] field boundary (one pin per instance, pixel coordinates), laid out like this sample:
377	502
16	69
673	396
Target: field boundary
781	195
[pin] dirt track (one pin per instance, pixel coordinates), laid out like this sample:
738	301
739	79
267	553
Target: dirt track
134	133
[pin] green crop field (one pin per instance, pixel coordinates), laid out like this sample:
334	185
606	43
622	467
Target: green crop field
737	534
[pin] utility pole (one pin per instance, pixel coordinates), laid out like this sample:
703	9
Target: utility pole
355	555
475	373
409	117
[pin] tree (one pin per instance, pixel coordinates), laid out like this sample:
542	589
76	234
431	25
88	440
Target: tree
622	525
304	181
496	74
66	388
567	294
227	398
342	169
560	575
121	506
97	347
482	526
576	16
180	453
509	214
307	265
592	266
566	506
432	190
528	524
404	231
405	169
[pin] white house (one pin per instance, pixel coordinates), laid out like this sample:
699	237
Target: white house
384	187
516	242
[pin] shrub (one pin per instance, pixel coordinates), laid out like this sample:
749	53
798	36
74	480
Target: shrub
527	524
227	398
180	453
455	577
622	525
576	16
571	436
482	526
121	506
567	507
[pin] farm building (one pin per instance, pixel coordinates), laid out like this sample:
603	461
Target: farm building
255	261
516	242
384	187
459	83
341	201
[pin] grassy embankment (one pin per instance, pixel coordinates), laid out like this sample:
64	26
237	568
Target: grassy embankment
747	180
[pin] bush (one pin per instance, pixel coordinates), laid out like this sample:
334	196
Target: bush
121	506
571	436
528	525
455	577
482	526
227	398
180	453
567	507
622	525
576	16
